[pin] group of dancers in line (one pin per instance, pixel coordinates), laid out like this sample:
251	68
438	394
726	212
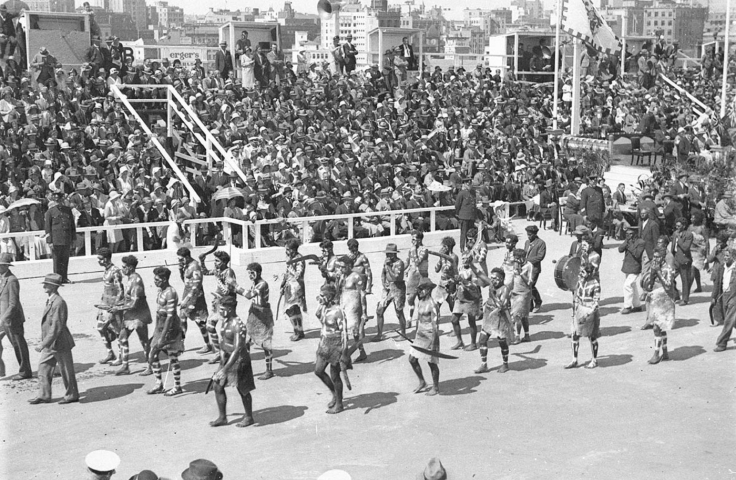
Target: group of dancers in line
342	310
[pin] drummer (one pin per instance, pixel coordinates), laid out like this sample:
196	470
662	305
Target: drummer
585	315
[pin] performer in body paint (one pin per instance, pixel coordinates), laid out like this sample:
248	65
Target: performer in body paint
427	336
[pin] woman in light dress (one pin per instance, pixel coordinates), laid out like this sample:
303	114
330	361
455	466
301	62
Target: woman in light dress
699	248
247	63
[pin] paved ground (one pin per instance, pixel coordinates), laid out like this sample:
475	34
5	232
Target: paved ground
626	419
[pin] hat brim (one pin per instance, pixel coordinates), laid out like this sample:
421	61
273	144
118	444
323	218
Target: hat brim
52	283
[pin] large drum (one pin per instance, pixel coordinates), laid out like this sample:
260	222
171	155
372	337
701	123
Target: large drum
566	273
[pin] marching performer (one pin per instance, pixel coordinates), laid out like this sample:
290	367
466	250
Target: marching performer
509	261
135	312
260	317
225	277
193	304
496	320
660	303
417	267
447	267
427	336
351	293
394	290
361	264
108	322
328	262
236	369
586	318
292	290
168	336
467	301
332	349
521	295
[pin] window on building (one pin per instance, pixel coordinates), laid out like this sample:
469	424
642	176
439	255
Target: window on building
669	23
669	33
656	23
649	23
656	14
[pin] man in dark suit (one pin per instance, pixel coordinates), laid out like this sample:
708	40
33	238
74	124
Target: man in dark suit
633	250
681	242
465	210
349	54
721	288
7	29
725	284
94	55
407	53
12	318
148	214
61	233
681	191
56	345
649	233
536	250
672	211
223	61
592	204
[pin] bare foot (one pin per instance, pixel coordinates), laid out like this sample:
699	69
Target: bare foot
504	368
458	345
432	392
124	370
471	347
173	391
422	386
246	422
332	402
572	364
117	362
362	356
483	368
157	389
337	408
219	422
267	375
377	338
592	364
146	372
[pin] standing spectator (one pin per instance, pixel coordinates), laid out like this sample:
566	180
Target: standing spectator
465	210
407	53
12	318
592	204
61	232
727	288
633	249
682	241
44	63
536	250
276	60
241	45
223	61
349	53
94	56
338	58
7	32
56	346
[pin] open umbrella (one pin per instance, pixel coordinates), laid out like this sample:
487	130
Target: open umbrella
227	193
24	202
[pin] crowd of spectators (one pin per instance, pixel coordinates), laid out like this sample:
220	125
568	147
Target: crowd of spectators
312	144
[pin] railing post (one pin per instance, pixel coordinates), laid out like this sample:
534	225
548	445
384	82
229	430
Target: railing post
169	127
32	248
193	235
139	238
257	235
392	218
226	232
305	232
432	220
350	228
88	242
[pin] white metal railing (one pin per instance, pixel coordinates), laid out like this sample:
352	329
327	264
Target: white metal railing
302	224
182	178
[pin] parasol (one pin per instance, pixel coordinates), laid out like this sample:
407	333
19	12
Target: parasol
438	187
24	202
15	6
227	193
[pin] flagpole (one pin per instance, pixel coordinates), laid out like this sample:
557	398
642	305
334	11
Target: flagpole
575	127
623	44
725	59
557	65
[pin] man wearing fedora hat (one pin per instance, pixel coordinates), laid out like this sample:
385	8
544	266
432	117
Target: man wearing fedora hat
61	232
202	470
55	346
394	290
12	318
536	250
101	465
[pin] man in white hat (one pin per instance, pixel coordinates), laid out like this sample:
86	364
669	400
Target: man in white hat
101	464
55	346
12	319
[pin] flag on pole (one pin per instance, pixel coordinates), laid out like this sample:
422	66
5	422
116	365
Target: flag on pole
581	19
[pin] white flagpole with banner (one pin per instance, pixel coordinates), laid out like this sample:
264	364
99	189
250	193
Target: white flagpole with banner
581	20
557	66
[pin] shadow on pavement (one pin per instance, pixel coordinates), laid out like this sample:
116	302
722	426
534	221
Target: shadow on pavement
611	331
686	353
608	310
197	386
256	353
614	360
527	363
548	307
540	319
685	322
274	415
293	368
372	401
546	335
111	392
612	300
314	333
189	363
82	367
697	300
460	386
384	355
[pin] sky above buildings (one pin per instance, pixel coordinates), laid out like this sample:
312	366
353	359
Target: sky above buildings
454	7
